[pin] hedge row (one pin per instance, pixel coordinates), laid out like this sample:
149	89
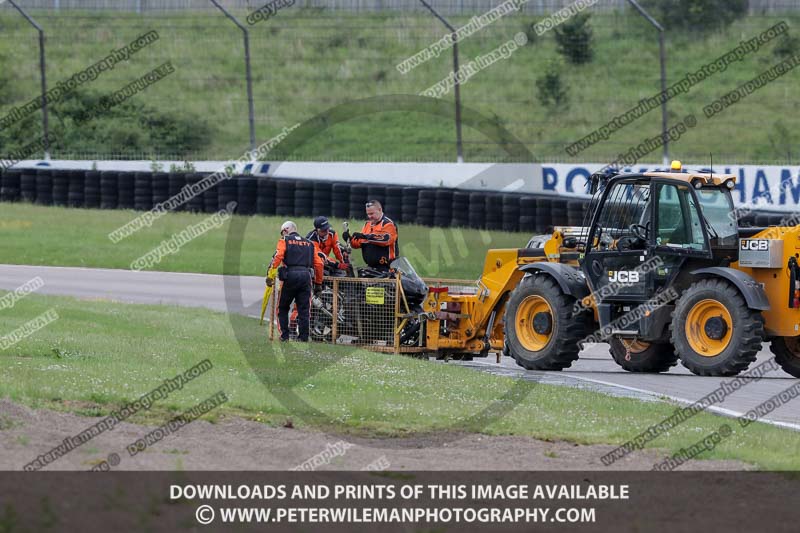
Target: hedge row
301	198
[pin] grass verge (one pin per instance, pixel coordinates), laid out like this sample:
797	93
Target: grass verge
99	355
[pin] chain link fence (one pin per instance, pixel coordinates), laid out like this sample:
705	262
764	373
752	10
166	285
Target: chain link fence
546	80
450	7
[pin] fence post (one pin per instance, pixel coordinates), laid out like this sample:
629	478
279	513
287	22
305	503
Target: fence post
335	310
456	84
43	76
398	290
662	57
250	106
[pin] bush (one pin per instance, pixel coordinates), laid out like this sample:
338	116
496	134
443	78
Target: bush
551	90
696	15
530	31
574	39
787	46
140	128
8	83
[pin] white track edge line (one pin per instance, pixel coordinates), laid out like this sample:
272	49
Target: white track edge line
712	408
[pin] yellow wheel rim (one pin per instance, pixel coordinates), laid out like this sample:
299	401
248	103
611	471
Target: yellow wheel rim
527	311
696	334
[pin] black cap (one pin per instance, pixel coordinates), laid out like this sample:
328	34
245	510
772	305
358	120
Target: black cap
321	223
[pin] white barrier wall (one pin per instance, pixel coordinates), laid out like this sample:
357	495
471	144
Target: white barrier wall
770	187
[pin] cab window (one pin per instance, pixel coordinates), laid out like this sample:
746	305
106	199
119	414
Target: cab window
678	224
626	204
720	214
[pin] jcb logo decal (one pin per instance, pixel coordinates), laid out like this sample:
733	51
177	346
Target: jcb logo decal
754	244
623	276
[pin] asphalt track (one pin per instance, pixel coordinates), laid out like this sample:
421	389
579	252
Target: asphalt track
595	369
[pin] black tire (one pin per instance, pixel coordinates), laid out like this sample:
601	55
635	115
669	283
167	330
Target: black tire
210	197
378	192
566	330
340	192
246	195
543	224
443	211
125	180
359	193
27	185
493	213
265	203
510	216
10	187
558	210
322	202
652	357
394	199
160	187
410	197
746	330
527	206
194	204
284	188
303	198
228	190
44	187
76	182
176	183
91	189
527	224
426	198
787	354
284	209
340	209
460	210
544	208
109	192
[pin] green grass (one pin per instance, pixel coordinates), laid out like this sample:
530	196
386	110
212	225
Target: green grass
118	352
52	236
305	62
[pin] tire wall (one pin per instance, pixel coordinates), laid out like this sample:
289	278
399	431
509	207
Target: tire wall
304	198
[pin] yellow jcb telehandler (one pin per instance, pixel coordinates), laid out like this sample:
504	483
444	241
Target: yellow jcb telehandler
660	270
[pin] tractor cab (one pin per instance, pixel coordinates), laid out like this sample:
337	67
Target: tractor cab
649	231
664	274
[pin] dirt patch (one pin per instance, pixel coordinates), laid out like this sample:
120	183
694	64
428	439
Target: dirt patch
238	444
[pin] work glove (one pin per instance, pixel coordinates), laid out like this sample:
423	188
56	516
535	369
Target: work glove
343	266
270	281
317	289
358	235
